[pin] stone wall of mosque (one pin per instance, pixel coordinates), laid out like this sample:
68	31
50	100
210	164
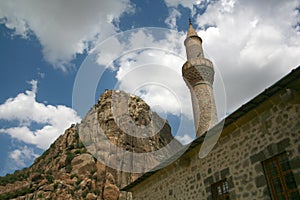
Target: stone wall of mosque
238	158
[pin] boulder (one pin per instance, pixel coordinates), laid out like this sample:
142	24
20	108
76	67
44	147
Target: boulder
82	164
111	192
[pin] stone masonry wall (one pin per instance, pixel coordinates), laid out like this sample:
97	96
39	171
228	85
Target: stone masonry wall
237	156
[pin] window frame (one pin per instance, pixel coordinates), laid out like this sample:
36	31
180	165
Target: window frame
223	184
281	173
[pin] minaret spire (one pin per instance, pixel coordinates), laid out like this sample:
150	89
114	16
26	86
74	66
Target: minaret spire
198	73
191	31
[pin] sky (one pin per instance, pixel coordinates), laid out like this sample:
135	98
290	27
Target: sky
57	57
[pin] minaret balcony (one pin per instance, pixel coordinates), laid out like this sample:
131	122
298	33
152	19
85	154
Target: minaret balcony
199	71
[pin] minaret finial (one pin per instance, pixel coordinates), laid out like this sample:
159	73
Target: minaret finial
190	21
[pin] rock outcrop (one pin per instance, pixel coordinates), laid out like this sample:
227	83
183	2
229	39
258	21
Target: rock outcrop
79	164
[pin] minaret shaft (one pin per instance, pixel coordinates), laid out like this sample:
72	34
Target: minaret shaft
204	108
198	73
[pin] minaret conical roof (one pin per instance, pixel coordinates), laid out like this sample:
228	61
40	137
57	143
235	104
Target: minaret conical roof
191	31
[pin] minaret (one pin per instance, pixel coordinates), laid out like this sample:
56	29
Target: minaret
198	73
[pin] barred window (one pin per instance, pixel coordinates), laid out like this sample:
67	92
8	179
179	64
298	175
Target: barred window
220	190
280	178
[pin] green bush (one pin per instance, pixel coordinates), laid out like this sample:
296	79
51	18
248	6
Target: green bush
84	193
38	170
96	191
78	182
68	168
17	176
55	186
76	135
36	177
40	195
49	178
77	151
73	175
52	145
69	158
80	145
15	194
71	147
93	170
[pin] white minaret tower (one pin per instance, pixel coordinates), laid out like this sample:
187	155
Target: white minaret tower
198	73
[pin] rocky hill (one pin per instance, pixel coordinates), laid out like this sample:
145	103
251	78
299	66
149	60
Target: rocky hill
80	164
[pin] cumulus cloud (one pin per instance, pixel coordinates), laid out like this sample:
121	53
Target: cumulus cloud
28	112
171	19
21	155
64	28
192	5
185	3
161	64
151	69
149	65
252	46
252	43
155	75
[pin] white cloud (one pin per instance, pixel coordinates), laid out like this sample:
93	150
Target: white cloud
155	73
189	4
64	28
171	19
149	65
185	3
252	43
20	156
228	5
155	76
152	69
26	110
184	139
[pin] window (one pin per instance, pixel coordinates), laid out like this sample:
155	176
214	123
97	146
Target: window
280	178
220	190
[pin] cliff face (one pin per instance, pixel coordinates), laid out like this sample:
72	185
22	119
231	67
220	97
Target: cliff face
81	163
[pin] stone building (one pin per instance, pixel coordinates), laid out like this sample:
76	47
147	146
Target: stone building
257	155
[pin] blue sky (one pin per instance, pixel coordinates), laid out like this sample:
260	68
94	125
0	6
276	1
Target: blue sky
44	45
